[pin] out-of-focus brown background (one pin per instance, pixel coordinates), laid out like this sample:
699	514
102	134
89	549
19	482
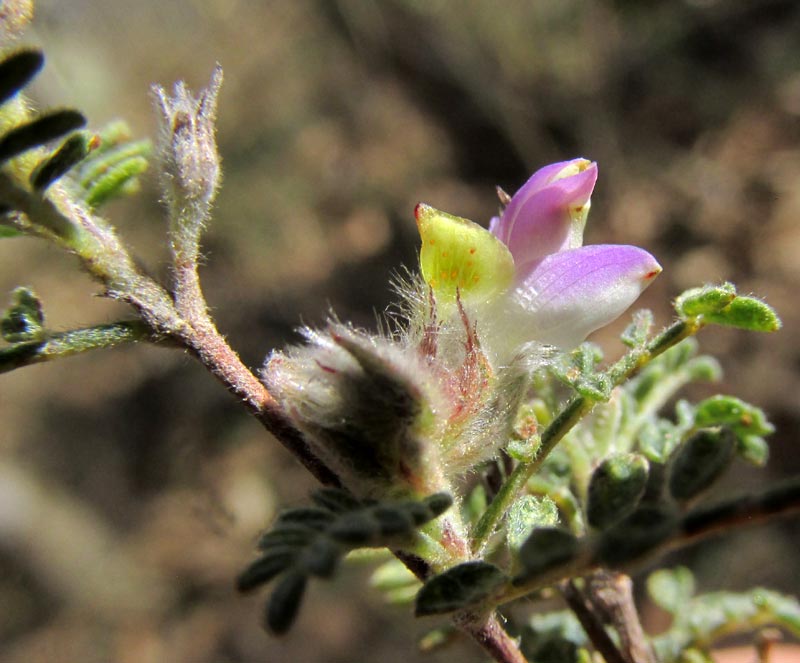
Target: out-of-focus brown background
132	486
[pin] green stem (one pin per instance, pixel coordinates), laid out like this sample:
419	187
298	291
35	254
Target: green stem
572	413
73	342
577	408
629	364
58	218
659	395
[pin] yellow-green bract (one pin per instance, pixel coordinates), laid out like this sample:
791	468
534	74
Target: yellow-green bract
458	255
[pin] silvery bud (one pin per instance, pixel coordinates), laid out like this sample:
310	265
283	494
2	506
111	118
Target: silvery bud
189	159
368	407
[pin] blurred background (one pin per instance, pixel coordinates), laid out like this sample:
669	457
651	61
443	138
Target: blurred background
132	487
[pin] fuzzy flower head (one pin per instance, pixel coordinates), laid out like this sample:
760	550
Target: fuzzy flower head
395	415
558	291
404	412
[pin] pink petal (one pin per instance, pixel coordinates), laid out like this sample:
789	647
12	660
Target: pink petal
565	296
539	220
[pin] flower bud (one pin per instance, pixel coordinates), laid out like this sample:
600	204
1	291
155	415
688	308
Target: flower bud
189	159
615	489
700	460
367	408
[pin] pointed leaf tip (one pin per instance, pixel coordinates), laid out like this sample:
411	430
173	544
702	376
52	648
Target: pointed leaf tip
72	151
23	320
284	604
17	70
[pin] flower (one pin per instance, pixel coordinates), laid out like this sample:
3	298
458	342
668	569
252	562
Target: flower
562	290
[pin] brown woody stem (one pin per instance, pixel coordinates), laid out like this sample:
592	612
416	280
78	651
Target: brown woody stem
490	635
612	595
591	622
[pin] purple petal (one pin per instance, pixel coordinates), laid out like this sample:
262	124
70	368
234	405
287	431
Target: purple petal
535	183
541	217
567	295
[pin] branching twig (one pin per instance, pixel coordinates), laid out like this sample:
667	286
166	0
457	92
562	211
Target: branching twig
591	622
612	595
489	634
71	225
777	502
180	316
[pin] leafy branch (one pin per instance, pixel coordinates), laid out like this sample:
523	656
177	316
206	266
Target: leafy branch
697	308
54	195
575	410
311	541
551	554
636	499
